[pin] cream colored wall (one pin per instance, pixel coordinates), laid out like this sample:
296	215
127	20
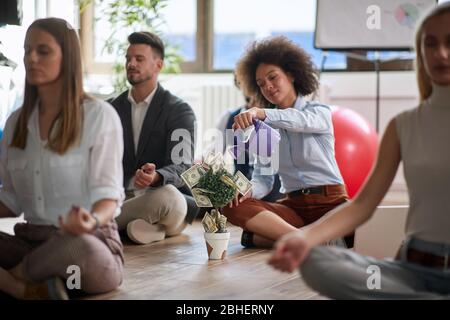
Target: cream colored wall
382	235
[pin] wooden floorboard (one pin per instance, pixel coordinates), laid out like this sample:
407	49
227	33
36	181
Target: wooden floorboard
178	268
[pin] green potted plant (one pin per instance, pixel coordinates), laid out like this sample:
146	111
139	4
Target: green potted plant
213	186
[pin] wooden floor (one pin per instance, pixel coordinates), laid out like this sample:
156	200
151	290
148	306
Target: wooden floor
178	268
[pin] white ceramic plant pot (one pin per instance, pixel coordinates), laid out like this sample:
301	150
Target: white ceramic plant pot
217	244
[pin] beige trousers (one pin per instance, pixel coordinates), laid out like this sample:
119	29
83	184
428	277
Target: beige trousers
164	206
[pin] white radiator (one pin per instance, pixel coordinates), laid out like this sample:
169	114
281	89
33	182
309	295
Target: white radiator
213	101
216	99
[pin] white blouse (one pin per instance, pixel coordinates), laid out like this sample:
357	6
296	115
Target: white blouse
44	185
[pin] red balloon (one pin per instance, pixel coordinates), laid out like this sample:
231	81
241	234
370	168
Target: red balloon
356	146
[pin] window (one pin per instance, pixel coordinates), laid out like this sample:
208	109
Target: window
181	27
67	10
179	33
235	29
212	35
101	32
12	79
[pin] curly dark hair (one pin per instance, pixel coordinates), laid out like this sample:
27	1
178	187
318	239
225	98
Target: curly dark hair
282	52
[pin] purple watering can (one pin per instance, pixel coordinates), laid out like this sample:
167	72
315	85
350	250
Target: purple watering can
259	139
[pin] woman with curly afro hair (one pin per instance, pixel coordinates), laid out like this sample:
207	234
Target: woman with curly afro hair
280	74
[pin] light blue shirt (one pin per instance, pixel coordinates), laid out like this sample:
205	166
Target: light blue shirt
306	150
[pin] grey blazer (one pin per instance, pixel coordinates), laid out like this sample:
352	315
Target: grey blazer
165	114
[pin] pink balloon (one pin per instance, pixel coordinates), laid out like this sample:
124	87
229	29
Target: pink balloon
356	147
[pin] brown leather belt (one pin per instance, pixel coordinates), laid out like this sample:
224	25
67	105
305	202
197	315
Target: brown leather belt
427	259
306	191
325	190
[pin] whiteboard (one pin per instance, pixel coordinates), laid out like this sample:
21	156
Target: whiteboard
368	24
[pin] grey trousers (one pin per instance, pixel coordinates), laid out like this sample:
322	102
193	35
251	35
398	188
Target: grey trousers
343	274
45	252
164	205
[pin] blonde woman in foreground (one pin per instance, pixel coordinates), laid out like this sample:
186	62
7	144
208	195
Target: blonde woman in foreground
418	137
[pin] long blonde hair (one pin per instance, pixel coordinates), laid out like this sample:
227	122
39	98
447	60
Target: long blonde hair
65	131
423	80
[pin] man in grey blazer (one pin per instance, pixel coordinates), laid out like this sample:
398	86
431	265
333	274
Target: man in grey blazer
158	132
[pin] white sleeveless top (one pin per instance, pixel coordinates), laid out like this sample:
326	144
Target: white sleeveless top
424	134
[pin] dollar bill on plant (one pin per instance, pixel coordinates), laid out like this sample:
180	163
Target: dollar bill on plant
214	222
211	184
